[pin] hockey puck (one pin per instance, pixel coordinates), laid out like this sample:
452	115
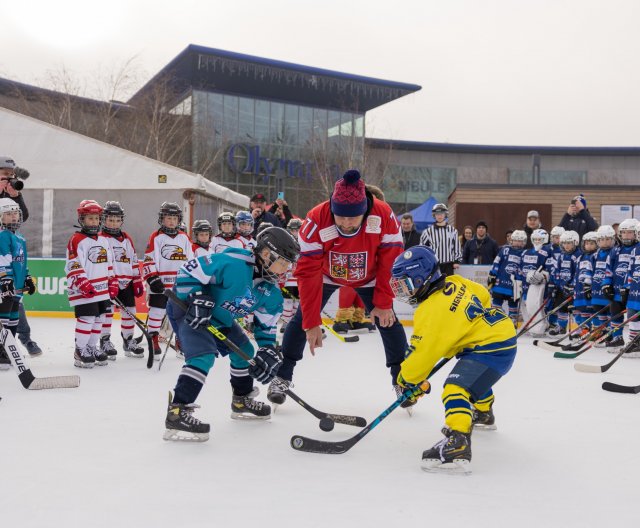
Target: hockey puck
327	424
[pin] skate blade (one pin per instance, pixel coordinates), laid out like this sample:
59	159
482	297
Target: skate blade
248	416
409	410
102	363
175	435
80	364
132	355
112	358
484	427
457	467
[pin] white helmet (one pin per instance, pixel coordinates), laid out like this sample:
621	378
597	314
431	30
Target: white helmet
540	235
519	236
591	236
7	205
557	231
630	224
605	231
570	236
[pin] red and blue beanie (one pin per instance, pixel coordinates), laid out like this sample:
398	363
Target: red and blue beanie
349	197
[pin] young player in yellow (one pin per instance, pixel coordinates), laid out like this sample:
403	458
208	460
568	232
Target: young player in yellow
453	318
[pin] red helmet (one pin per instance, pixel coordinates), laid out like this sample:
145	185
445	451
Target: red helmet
89	207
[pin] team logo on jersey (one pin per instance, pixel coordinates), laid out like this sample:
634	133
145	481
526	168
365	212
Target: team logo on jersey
75	266
120	255
449	288
172	252
407	255
373	224
240	305
97	255
348	266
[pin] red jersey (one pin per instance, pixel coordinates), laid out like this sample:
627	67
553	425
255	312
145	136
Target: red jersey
362	259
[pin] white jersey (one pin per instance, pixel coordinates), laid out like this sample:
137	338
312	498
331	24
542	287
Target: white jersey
165	255
198	250
249	242
125	260
91	258
219	243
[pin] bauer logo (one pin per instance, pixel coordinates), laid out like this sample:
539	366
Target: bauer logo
449	288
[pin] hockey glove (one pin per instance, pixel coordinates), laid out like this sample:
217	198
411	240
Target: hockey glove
607	291
155	284
417	391
586	290
114	287
491	281
86	288
267	362
532	277
624	295
199	311
6	287
568	290
29	285
138	287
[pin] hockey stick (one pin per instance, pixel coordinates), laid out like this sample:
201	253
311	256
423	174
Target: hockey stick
166	348
574	331
581	367
625	389
310	445
595	335
28	380
529	326
137	322
337	418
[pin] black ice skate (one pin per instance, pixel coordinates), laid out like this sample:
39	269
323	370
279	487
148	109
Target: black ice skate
246	408
616	343
83	358
182	426
32	347
450	455
277	390
484	420
107	347
5	362
100	357
556	330
406	404
131	347
633	352
155	339
341	328
364	325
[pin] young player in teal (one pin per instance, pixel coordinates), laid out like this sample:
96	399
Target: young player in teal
14	276
218	289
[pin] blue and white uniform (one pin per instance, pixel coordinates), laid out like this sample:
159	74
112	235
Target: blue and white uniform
505	269
13	264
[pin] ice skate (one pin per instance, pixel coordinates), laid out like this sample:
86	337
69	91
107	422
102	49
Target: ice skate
604	343
363	325
83	358
155	340
246	408
406	404
5	362
341	328
484	420
101	357
633	352
451	455
131	347
615	345
32	347
182	426
107	347
277	388
556	330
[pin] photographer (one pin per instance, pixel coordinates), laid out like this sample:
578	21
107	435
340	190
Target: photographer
578	218
10	185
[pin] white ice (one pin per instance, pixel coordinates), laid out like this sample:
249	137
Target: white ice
565	452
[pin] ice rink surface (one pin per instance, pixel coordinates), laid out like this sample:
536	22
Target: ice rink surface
565	452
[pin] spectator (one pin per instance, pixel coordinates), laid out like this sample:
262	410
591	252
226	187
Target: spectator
532	223
443	240
467	234
258	205
482	249
410	236
578	218
281	210
507	237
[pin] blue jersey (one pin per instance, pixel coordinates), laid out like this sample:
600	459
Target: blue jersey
582	278
565	268
602	276
228	278
13	257
505	266
620	259
532	260
633	279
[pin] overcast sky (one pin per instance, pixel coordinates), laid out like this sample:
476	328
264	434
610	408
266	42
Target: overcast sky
512	72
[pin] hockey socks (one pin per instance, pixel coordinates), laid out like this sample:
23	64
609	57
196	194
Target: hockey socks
192	377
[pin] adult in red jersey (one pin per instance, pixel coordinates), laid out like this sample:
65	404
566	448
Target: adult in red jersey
351	239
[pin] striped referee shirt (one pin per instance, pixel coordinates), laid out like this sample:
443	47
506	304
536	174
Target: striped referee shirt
444	241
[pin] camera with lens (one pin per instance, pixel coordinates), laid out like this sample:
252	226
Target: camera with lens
20	174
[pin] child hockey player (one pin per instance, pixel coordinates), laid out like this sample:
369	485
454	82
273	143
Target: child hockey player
583	279
602	282
201	235
244	225
563	279
168	249
631	296
227	236
453	318
91	284
290	291
554	252
14	275
503	274
534	275
127	272
217	290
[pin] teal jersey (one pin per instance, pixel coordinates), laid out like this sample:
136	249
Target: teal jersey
227	278
13	257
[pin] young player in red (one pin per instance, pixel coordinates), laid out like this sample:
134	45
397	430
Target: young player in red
351	239
244	225
130	286
91	283
168	249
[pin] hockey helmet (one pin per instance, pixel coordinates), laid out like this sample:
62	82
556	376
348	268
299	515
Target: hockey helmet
283	250
201	226
570	237
169	209
628	226
439	208
539	237
520	239
413	273
244	223
112	209
7	205
85	208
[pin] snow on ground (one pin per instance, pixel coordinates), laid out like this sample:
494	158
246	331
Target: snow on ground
564	453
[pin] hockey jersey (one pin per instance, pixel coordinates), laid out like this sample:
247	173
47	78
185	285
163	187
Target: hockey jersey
90	257
583	277
602	276
248	242
532	260
125	261
565	269
165	255
620	259
220	243
228	278
13	257
362	259
198	250
633	279
458	320
505	266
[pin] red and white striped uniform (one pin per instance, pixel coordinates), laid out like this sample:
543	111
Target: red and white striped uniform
220	243
165	255
88	257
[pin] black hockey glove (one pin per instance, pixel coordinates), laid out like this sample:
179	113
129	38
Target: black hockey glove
607	291
29	285
587	291
267	362
6	287
155	284
624	295
491	281
199	311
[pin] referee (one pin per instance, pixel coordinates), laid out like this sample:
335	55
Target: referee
443	239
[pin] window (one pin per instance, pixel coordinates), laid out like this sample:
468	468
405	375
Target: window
262	121
245	123
276	128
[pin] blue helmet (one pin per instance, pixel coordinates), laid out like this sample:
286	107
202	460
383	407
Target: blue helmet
413	272
244	223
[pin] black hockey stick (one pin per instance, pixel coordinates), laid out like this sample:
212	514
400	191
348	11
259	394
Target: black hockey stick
573	332
28	380
625	389
310	445
137	322
581	367
337	418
